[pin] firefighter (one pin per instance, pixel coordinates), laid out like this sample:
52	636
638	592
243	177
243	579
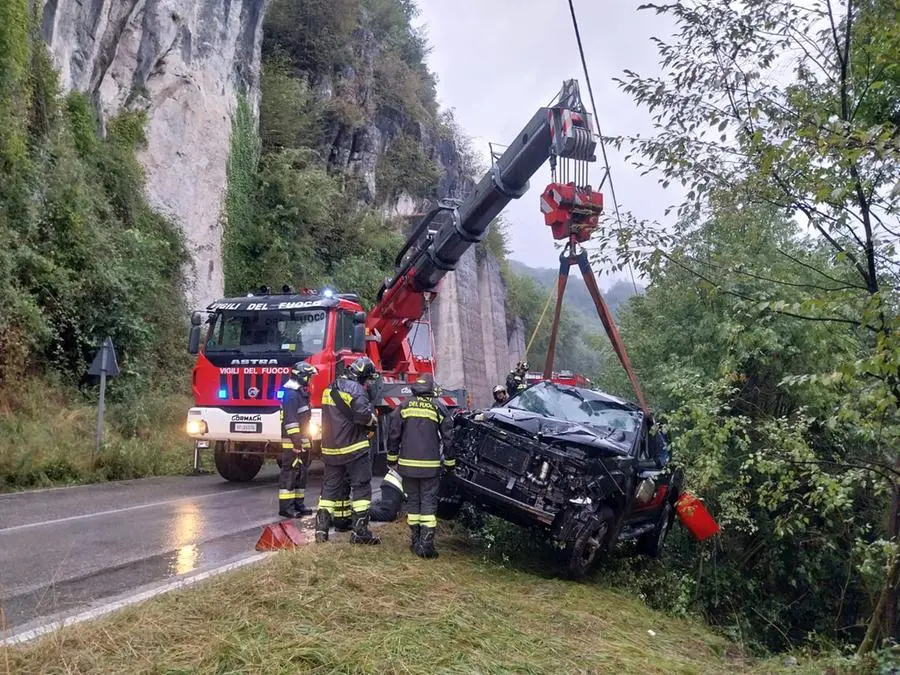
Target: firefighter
347	421
295	443
501	395
515	381
387	508
418	429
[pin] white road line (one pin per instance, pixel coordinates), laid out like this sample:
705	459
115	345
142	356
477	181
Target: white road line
88	615
124	509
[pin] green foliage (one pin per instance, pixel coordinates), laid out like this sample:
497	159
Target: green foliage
289	116
780	359
405	169
143	435
293	214
82	255
313	34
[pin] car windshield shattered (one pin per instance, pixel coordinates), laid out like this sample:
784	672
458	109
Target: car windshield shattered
574	405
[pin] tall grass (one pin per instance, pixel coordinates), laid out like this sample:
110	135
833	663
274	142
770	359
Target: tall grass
47	436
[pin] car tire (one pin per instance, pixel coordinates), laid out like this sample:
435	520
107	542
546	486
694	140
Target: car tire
651	544
448	509
588	547
237	467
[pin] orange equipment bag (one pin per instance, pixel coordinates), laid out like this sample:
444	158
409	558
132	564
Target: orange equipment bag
694	516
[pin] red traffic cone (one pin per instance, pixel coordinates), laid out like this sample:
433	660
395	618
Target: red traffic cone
280	536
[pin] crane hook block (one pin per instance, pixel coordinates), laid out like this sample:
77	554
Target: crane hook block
571	211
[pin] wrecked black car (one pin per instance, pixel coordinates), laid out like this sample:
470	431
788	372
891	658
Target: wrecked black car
589	468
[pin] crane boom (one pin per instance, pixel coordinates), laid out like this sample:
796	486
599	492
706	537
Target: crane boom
561	130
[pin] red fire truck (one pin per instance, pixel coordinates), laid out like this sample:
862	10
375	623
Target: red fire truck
245	345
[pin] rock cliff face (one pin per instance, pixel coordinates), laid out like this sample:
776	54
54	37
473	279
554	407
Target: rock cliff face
184	62
477	343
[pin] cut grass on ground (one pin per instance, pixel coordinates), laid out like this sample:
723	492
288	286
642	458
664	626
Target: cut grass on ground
340	608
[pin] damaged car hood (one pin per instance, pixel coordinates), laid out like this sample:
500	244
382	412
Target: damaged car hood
551	429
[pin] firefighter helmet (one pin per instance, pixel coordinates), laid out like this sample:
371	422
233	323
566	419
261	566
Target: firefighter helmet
424	385
522	366
499	389
363	369
303	372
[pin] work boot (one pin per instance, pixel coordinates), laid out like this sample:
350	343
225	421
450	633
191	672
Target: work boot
286	510
301	509
414	532
323	524
342	524
361	532
425	548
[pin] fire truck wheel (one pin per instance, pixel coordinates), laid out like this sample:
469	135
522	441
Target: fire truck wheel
238	467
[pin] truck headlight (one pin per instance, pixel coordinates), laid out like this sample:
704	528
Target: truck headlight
315	424
196	427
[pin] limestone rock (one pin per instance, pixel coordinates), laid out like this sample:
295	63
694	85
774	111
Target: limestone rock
184	62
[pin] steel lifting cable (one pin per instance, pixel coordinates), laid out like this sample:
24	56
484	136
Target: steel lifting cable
587	79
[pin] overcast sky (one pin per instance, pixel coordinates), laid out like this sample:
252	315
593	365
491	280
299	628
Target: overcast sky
498	61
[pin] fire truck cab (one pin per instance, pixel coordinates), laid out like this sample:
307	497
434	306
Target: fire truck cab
245	347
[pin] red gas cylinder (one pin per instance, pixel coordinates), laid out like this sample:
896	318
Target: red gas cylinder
694	516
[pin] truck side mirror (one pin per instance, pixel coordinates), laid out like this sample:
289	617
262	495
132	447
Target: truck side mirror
196	318
194	340
359	317
359	338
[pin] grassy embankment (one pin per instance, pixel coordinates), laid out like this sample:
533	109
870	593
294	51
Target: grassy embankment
344	609
47	434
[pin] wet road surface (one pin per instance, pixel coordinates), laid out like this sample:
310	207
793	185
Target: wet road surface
67	549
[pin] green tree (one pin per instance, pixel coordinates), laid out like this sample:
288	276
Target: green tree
780	105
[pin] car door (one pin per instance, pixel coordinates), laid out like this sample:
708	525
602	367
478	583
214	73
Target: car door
651	464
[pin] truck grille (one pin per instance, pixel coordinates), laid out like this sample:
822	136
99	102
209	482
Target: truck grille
251	387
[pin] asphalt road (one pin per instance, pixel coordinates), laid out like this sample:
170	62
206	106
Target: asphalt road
65	550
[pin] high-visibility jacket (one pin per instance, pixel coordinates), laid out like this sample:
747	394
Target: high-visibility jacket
515	383
346	428
295	414
419	430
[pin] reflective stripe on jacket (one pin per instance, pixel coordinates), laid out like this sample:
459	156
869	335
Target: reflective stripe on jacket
345	436
418	431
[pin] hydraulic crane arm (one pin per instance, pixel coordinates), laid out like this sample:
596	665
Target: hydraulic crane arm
562	130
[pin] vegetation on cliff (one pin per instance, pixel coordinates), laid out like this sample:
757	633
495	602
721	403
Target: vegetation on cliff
300	210
82	256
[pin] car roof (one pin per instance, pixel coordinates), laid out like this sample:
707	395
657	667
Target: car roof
592	395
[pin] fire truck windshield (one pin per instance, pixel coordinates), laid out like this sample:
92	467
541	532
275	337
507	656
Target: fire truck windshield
298	332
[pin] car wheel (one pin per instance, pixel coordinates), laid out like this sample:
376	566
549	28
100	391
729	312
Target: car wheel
651	544
589	545
236	467
448	509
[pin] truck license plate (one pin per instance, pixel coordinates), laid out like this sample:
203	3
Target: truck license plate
246	427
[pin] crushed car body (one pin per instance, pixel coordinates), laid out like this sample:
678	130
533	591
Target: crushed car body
589	468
